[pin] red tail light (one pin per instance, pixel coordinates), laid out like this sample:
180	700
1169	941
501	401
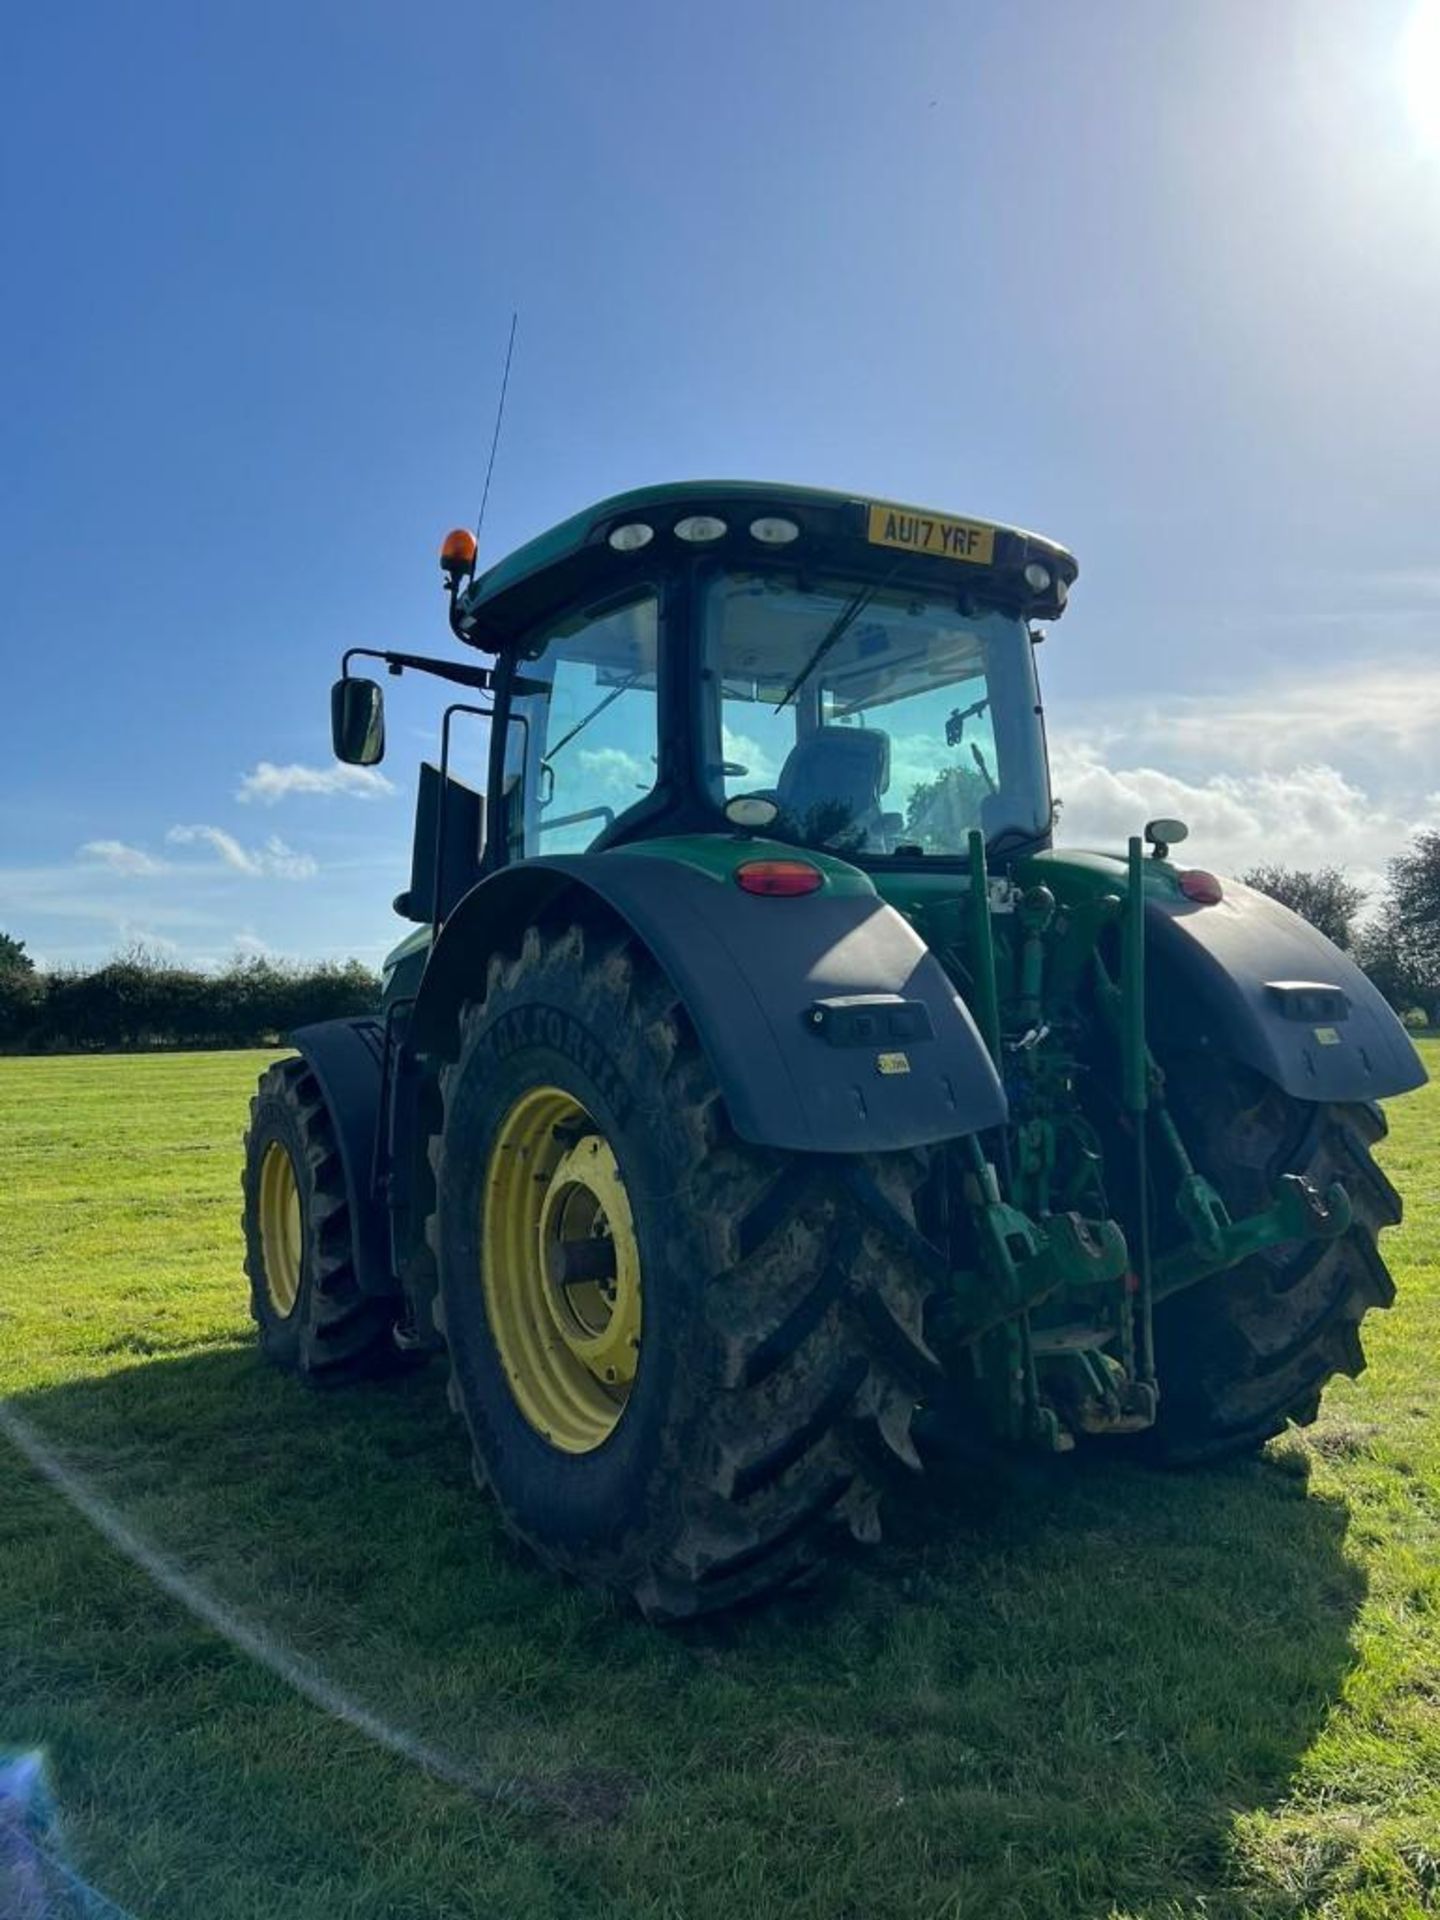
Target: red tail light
778	878
1201	887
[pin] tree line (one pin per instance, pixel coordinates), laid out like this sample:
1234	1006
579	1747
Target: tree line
139	1000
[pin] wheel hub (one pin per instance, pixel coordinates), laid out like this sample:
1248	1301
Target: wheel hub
560	1270
281	1228
592	1284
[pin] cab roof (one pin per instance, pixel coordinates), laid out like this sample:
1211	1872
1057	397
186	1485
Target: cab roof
845	530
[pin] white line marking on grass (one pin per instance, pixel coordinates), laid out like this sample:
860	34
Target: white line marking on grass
281	1660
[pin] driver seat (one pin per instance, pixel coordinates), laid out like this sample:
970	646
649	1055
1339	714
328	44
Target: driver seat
839	771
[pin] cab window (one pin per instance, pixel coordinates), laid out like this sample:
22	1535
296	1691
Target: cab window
584	751
878	719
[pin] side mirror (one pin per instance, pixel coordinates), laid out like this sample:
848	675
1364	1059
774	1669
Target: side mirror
357	722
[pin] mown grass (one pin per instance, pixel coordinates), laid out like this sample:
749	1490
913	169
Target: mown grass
1091	1692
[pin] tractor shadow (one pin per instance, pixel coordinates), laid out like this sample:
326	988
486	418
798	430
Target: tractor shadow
1055	1696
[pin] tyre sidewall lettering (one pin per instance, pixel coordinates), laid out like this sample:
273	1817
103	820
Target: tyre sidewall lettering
552	1029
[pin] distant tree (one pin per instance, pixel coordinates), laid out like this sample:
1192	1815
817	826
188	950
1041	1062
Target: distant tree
13	957
939	813
22	991
1402	949
1323	896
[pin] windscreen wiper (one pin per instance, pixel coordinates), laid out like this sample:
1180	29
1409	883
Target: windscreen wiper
836	631
594	714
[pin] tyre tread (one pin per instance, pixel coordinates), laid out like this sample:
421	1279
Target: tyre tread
343	1334
1249	1352
805	1383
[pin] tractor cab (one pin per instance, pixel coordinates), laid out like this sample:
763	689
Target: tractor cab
843	674
838	674
864	717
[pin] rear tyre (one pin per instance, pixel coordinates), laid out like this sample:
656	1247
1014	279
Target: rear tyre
1244	1353
688	1366
304	1296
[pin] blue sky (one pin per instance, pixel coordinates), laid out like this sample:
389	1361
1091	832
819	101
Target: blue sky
1162	281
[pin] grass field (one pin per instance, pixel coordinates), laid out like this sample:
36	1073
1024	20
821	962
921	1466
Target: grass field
1095	1693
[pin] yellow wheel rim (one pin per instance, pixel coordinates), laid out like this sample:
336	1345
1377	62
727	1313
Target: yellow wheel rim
560	1270
281	1232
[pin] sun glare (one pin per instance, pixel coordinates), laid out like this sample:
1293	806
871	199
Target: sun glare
1420	70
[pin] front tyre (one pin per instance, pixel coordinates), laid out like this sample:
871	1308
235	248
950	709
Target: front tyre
687	1365
304	1295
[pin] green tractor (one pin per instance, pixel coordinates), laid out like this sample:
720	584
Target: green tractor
763	1107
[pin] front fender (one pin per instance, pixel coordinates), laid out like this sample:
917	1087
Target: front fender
1253	980
750	972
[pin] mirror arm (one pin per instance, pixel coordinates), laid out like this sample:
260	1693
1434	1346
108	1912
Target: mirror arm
477	677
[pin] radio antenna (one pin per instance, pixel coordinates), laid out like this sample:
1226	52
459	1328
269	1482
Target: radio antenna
499	419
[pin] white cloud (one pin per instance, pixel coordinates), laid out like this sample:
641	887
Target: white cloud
741	751
1383	716
1308	816
275	857
225	844
915	760
120	858
615	771
275	860
269	784
1333	769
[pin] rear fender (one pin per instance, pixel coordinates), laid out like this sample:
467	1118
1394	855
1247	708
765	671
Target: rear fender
1255	982
346	1057
753	975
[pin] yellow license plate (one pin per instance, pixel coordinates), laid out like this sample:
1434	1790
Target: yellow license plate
916	532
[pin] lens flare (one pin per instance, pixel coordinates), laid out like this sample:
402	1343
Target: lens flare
1420	71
